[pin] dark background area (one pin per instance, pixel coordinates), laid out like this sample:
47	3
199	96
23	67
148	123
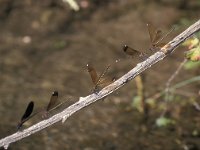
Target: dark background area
45	46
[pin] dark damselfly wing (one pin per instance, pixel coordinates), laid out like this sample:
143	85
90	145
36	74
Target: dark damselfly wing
26	115
53	101
51	105
133	52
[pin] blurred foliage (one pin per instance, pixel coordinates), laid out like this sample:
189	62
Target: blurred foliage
191	42
191	65
196	133
60	44
193	57
185	82
193	53
185	22
164	122
136	103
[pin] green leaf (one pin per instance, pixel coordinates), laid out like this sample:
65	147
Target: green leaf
193	54
192	65
163	122
136	103
191	42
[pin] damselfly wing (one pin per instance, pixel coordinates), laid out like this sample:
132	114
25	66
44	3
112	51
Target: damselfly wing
132	52
52	104
156	37
98	81
26	115
53	101
93	73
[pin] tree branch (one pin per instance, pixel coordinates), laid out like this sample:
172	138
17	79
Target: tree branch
85	101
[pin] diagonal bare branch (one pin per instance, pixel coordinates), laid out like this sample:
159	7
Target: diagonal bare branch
85	101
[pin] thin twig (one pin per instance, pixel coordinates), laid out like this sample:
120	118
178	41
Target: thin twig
85	101
196	106
175	87
167	89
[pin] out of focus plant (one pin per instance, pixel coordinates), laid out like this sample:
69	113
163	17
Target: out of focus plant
193	53
185	82
192	61
191	65
191	43
139	101
59	44
164	121
136	103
